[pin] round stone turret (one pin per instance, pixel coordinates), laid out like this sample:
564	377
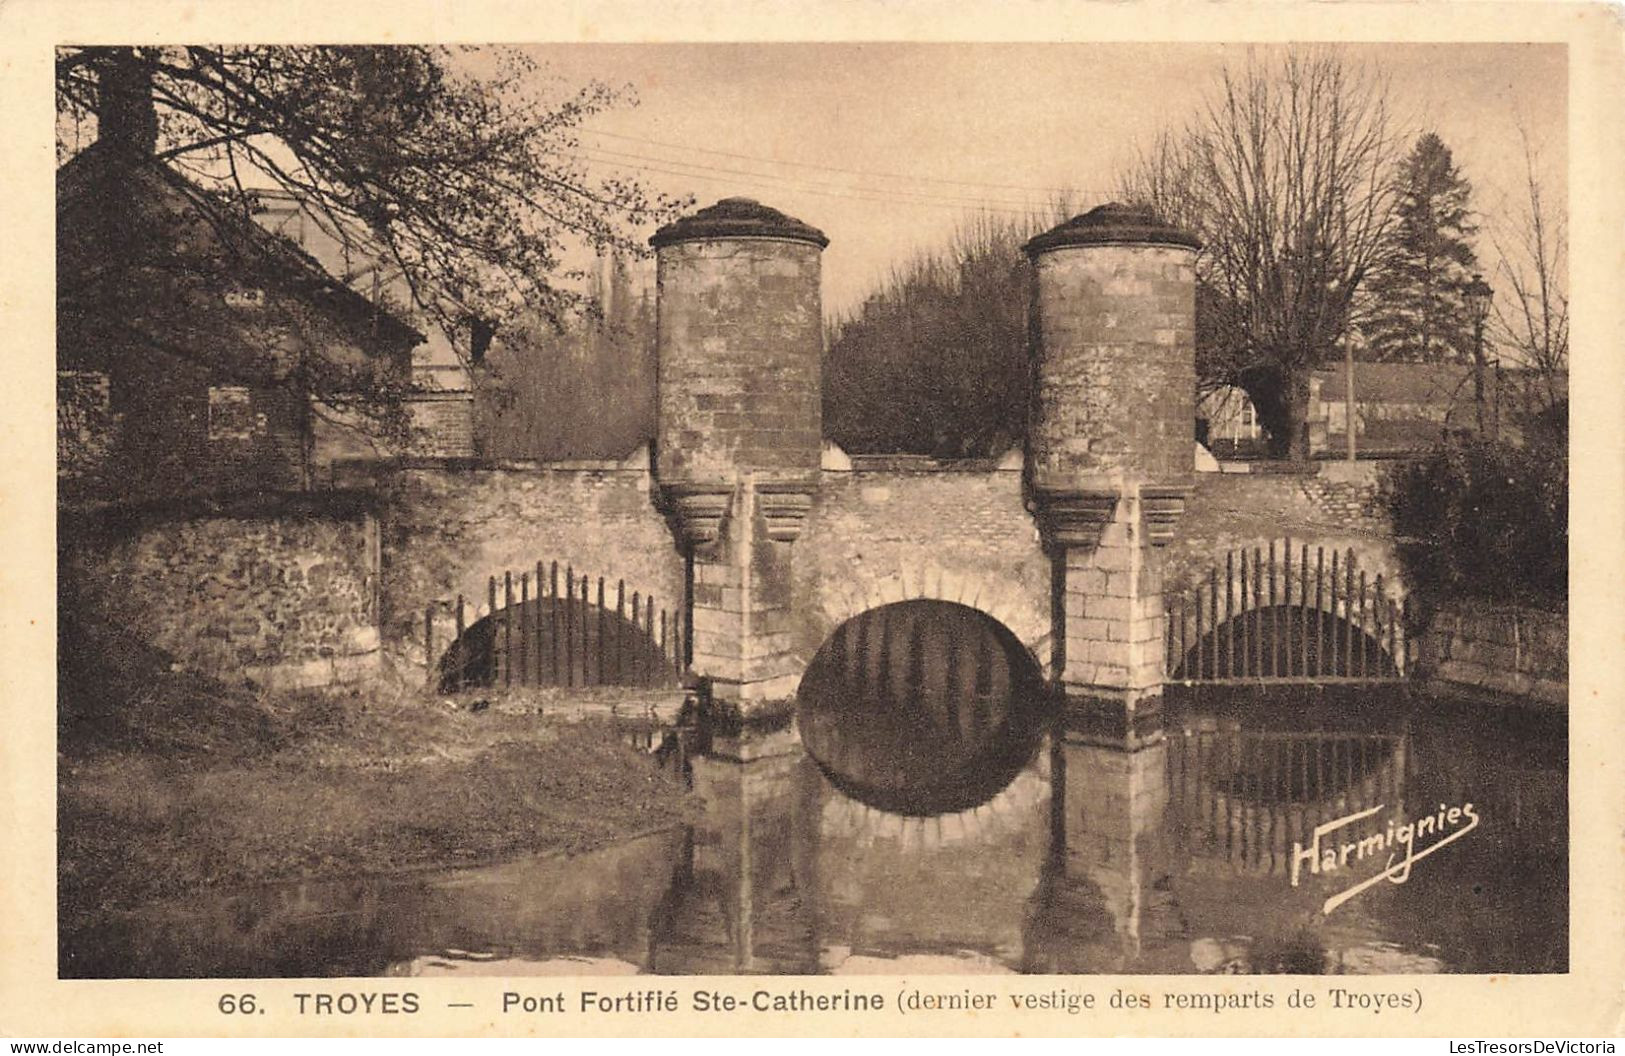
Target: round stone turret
1113	412
740	344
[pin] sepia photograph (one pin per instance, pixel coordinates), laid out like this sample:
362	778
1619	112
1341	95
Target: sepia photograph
884	509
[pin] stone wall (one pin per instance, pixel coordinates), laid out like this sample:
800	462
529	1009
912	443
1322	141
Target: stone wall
280	598
1498	652
1323	506
451	524
879	534
740	341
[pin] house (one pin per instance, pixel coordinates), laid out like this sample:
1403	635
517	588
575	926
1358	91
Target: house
199	353
1404	407
1399	408
1227	422
440	403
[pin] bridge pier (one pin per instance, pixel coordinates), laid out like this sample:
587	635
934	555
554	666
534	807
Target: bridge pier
1110	442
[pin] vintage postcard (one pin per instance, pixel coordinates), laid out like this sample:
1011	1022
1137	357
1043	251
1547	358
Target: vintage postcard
876	518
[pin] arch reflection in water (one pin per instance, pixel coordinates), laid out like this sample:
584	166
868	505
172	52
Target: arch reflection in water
921	707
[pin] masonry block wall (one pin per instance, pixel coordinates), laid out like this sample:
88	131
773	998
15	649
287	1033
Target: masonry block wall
880	535
740	346
1117	382
1226	511
279	599
451	526
1498	651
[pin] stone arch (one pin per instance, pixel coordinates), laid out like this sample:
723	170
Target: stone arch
1218	575
1020	607
922	707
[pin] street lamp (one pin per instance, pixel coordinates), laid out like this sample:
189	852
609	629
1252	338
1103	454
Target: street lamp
1477	295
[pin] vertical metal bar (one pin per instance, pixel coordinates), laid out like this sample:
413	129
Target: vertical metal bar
1379	602
1230	613
1348	605
428	646
1275	628
524	628
1363	636
536	628
620	636
569	625
1258	615
664	656
1336	633
1286	601
1170	664
460	648
603	613
1393	657
1246	624
1213	620
491	618
635	652
649	632
1200	634
1404	639
553	622
1303	612
1320	611
586	633
507	628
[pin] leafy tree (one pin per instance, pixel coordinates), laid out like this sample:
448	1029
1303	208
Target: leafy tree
1417	309
1284	175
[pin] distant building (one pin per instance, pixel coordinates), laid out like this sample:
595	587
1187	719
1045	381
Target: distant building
440	405
198	353
1227	422
1399	408
1404	407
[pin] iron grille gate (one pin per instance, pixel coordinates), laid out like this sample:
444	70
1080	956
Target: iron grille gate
561	634
1275	615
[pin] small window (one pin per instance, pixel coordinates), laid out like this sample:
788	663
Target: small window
1247	412
232	415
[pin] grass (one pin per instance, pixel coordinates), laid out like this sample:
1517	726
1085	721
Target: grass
169	783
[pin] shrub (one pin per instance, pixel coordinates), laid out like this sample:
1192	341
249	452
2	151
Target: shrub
1485	521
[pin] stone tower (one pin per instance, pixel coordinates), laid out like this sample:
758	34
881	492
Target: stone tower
740	348
1110	447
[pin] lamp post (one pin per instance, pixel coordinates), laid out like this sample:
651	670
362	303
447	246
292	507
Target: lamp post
1477	295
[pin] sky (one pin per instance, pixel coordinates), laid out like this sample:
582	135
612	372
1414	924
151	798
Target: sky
885	146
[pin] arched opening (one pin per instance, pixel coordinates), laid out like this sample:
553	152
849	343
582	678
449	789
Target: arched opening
921	707
1286	641
549	642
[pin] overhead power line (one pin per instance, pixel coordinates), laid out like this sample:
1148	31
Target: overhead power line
689	170
836	169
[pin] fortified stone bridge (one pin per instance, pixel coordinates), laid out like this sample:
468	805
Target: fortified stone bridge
770	540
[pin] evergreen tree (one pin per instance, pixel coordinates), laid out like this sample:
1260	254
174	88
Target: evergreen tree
1417	310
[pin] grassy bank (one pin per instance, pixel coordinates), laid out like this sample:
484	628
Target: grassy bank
170	782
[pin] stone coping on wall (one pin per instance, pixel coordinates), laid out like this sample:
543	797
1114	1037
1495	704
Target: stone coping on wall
315	673
122	518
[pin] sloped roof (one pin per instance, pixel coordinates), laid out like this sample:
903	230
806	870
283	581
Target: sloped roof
1435	384
82	173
